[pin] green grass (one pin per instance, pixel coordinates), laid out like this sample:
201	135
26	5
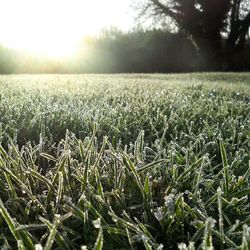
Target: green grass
125	161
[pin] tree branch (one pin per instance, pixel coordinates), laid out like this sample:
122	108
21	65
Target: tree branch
164	9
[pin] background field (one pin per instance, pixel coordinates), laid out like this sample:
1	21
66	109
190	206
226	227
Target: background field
125	161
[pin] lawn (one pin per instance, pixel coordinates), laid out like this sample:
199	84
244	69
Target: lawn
125	161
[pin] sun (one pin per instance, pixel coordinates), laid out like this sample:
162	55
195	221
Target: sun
47	28
55	28
49	44
44	27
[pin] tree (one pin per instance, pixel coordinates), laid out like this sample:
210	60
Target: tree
218	28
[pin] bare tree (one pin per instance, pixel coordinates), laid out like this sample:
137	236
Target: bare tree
217	27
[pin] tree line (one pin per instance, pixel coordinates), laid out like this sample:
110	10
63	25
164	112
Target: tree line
209	35
138	51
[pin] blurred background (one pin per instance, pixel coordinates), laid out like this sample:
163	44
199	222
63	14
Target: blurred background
124	36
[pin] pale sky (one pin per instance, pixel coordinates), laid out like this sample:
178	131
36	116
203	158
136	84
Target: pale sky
57	26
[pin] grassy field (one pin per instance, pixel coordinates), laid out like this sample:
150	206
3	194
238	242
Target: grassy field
125	161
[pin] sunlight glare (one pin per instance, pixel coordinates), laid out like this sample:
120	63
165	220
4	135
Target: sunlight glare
56	28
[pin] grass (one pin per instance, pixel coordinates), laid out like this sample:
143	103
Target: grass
125	161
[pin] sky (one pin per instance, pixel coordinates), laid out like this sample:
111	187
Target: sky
57	26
